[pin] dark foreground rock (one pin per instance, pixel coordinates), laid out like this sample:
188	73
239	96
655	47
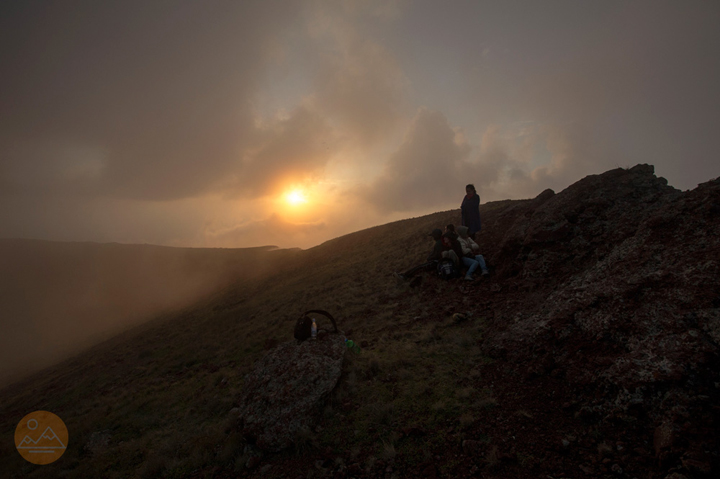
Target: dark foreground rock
283	393
620	283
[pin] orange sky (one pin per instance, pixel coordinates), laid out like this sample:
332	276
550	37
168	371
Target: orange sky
189	123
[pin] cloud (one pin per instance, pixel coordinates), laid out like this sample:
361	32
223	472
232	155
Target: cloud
164	94
358	82
290	149
425	170
429	170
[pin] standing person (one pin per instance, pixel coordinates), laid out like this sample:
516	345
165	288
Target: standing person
470	211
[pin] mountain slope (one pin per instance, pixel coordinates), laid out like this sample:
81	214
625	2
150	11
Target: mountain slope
591	351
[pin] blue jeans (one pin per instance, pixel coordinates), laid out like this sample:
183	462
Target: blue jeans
471	264
479	258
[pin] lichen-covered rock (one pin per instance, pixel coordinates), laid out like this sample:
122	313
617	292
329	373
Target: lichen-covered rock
282	394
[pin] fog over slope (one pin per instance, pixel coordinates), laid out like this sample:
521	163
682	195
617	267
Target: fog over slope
58	298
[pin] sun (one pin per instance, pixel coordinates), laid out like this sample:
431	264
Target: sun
296	197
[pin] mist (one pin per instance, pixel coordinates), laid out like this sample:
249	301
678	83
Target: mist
60	298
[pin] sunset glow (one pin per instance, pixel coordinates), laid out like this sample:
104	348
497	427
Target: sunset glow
296	197
324	118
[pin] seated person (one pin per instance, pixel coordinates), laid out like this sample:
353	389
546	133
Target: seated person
470	249
438	253
451	240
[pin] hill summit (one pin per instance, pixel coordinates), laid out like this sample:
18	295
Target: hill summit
590	351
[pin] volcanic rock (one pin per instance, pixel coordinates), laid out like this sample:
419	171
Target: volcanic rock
627	303
283	392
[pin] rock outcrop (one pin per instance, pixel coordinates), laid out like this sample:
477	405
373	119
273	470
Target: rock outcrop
621	275
283	393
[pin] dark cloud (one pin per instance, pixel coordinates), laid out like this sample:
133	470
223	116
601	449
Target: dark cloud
161	89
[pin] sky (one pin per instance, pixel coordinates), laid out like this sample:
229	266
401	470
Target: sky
236	124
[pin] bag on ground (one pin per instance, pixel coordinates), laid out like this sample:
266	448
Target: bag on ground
303	326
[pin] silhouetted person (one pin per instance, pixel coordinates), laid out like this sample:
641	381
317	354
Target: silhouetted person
470	211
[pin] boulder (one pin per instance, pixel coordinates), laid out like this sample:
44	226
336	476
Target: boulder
283	393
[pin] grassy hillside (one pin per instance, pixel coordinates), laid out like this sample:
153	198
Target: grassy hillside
161	393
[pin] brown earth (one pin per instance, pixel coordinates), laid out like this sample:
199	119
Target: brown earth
590	351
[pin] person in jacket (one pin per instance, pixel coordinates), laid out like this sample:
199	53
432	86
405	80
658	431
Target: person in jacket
439	252
471	249
470	211
451	240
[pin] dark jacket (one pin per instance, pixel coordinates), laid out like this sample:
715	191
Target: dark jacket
450	240
470	211
436	253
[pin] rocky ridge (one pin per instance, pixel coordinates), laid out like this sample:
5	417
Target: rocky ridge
620	276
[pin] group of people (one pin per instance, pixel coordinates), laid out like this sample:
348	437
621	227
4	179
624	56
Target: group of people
457	244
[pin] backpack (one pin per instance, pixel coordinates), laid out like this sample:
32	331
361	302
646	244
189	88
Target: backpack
446	269
303	326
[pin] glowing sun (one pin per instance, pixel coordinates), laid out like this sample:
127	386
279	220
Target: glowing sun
296	197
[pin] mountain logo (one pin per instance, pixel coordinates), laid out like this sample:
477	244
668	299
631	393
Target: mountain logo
41	437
